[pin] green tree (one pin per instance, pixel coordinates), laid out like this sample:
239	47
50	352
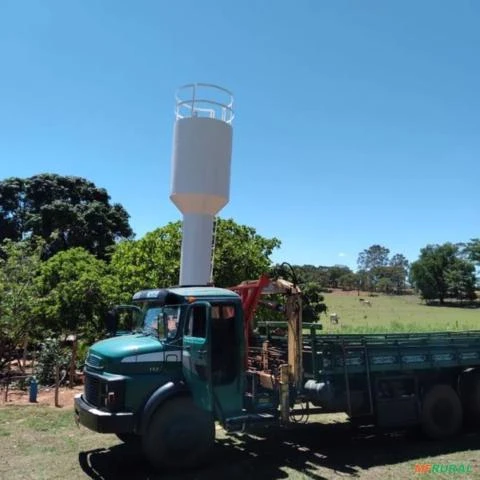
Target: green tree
374	256
385	285
240	253
379	272
305	273
325	276
154	260
388	279
473	250
370	261
312	302
363	280
348	281
19	266
76	290
311	273
440	273
312	299
65	211
399	272
335	273
460	277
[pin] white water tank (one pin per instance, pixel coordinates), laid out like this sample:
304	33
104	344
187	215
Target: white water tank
201	160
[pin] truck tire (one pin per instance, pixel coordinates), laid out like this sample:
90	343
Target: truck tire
130	439
471	398
180	435
442	414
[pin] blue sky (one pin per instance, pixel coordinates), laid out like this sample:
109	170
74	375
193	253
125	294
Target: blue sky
357	123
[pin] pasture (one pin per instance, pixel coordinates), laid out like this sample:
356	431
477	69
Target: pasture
402	314
42	442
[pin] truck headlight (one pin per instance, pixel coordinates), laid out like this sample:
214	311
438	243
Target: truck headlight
113	395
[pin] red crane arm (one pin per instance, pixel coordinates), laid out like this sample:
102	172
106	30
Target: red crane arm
250	292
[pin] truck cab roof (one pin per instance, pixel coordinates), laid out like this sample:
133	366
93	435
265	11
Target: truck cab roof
179	294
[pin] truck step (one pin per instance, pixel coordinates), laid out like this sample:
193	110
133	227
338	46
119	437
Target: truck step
242	421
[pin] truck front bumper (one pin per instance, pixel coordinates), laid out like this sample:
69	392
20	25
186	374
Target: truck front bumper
101	421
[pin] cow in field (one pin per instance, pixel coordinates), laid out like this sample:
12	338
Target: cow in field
334	318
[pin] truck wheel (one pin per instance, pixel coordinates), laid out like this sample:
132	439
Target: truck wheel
180	435
471	398
130	438
442	414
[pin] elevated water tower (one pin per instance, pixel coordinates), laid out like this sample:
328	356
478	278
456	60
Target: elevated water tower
201	160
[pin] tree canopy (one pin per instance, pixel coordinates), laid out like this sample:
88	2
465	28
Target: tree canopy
379	272
65	211
336	276
473	250
441	273
75	290
154	260
240	253
373	257
19	295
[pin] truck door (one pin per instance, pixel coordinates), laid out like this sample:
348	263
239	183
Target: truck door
197	354
213	357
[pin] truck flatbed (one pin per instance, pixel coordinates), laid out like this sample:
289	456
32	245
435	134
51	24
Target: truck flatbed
330	353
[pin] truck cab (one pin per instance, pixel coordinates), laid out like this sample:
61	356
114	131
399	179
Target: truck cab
182	366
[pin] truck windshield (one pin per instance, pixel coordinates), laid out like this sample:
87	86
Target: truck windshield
161	321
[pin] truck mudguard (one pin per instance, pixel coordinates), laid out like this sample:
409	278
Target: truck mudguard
159	396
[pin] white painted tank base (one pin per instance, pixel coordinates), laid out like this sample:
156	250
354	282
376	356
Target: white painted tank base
195	263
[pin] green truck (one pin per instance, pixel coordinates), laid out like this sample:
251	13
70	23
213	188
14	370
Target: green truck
195	360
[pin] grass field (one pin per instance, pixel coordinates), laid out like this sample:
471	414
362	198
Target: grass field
396	314
42	442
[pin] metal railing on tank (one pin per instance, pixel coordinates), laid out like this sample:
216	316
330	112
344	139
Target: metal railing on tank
204	100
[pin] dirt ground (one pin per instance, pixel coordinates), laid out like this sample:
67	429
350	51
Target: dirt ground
46	396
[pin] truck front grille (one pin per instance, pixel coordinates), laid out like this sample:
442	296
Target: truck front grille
92	390
105	394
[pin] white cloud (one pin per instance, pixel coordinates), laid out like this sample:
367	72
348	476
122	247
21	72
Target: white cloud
341	254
